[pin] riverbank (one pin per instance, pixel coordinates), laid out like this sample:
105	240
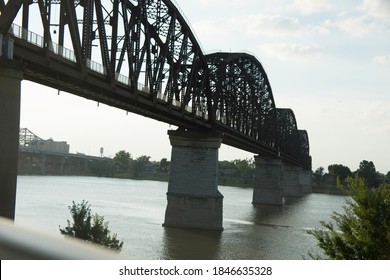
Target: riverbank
164	177
222	181
327	189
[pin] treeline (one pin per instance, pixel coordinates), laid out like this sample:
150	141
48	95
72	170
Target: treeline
237	172
366	170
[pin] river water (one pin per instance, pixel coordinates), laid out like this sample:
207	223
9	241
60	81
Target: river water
135	211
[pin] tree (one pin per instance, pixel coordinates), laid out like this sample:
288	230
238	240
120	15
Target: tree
367	171
102	168
122	159
339	171
362	232
388	174
90	228
320	171
318	175
139	165
245	167
227	168
164	165
225	164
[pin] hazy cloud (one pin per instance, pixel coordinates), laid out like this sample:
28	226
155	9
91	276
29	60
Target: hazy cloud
275	25
379	9
375	117
384	59
293	52
307	7
222	3
212	32
369	17
359	26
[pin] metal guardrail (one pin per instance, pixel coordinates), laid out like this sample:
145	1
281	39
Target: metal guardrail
21	243
37	40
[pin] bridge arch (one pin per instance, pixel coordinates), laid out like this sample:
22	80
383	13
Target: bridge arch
304	149
142	56
146	47
242	97
287	133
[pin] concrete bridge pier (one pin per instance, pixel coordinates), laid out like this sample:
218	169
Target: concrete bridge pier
267	183
305	180
11	75
193	197
291	182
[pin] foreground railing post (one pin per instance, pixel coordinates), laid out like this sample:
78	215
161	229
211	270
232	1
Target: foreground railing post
11	75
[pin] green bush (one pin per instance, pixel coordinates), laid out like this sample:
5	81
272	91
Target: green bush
90	228
362	232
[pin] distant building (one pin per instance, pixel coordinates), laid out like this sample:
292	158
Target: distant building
48	157
30	142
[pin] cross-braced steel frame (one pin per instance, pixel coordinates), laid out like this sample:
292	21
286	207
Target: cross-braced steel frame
242	96
142	56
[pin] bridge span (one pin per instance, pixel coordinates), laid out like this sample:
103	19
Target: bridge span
143	57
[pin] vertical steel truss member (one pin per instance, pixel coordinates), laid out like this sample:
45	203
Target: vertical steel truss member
288	133
26	137
242	96
147	42
142	56
304	149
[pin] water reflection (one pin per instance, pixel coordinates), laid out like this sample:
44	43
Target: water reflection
186	244
275	215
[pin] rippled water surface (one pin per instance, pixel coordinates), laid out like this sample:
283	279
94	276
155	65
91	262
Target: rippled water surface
135	211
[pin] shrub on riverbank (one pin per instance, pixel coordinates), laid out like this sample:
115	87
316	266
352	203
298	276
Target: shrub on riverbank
90	228
362	232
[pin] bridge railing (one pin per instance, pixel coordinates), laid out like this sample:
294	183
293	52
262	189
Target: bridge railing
37	40
96	67
23	243
120	78
64	52
27	35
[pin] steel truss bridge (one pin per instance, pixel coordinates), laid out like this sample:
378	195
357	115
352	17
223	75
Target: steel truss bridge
142	56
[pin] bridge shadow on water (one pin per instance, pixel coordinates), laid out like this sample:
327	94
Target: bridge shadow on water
191	244
259	232
273	215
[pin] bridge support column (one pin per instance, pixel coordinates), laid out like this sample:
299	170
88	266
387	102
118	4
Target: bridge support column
10	87
291	183
267	184
305	180
193	197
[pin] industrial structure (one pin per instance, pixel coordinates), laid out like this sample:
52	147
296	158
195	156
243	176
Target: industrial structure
48	157
142	56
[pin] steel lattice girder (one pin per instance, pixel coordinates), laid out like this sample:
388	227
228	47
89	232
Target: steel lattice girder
242	96
288	132
149	42
132	42
304	149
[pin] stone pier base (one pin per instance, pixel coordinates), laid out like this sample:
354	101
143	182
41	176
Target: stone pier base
291	184
305	180
193	197
198	212
267	185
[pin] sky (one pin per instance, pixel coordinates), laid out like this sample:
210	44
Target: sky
327	60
